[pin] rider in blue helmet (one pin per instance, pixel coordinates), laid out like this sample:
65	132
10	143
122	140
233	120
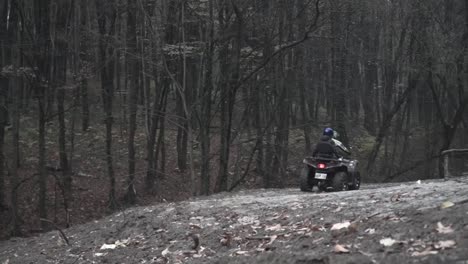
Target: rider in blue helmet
328	132
329	137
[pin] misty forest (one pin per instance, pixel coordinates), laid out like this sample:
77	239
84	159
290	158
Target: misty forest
106	104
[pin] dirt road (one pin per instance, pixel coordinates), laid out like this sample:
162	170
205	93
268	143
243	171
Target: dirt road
413	222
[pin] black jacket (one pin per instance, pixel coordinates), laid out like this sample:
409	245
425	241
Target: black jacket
325	148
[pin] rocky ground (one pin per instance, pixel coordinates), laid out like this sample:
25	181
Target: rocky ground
416	222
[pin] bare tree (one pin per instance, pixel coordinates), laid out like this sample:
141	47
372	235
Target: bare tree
106	15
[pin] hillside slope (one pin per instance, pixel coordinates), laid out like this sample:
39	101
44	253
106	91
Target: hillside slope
408	223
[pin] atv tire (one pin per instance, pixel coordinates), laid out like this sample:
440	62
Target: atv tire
340	182
356	184
304	180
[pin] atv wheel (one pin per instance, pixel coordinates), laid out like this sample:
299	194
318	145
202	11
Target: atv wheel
356	182
304	180
340	182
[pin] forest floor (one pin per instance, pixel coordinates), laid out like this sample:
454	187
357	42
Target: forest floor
414	222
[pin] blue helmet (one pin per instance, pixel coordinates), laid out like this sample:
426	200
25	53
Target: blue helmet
328	132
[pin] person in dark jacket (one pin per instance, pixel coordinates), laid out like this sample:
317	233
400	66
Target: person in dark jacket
322	149
325	148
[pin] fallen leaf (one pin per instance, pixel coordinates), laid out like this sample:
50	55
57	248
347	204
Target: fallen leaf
418	243
161	260
370	231
425	252
388	242
241	252
418	182
445	244
165	252
339	226
317	240
247	220
99	254
108	246
195	226
316	228
224	241
340	249
272	239
443	229
273	228
447	204
122	243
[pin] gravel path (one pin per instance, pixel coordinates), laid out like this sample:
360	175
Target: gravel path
413	222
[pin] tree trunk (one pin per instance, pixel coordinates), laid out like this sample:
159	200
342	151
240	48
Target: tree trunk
156	113
133	97
205	117
161	145
370	72
42	161
339	70
15	84
3	119
228	96
42	23
15	113
258	101
83	45
106	18
60	68
5	59
301	81
181	135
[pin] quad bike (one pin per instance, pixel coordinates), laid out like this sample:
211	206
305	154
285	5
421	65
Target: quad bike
330	174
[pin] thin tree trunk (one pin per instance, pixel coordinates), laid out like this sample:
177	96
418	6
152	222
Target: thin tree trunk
5	59
42	162
82	58
133	98
181	135
3	119
228	96
84	105
206	107
15	113
302	53
370	72
60	76
16	85
150	148
161	145
42	23
257	102
106	19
